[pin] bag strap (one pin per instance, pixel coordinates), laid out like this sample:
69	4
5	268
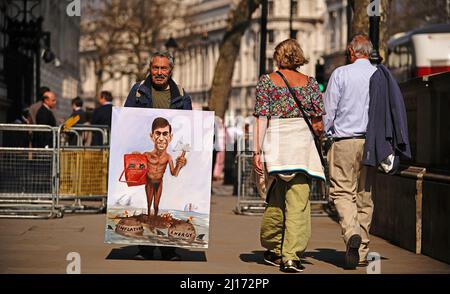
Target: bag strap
305	117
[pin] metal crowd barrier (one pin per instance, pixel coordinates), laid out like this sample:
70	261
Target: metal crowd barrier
27	174
83	170
251	200
38	182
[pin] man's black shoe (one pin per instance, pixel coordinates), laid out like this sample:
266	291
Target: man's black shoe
292	266
352	253
272	258
168	253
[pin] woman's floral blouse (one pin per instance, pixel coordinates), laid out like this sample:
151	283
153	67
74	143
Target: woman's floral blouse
277	101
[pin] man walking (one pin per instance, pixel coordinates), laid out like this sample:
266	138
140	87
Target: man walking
158	90
346	105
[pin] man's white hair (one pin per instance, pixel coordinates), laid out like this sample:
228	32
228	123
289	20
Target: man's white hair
361	45
165	54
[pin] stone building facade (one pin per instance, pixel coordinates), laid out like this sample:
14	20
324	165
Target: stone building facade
200	45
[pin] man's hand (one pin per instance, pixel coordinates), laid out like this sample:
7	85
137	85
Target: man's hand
181	161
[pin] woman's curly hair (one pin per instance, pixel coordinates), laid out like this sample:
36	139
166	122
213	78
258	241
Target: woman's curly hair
288	54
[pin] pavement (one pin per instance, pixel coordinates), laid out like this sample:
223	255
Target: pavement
42	246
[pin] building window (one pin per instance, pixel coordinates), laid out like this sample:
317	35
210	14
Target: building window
270	36
270	8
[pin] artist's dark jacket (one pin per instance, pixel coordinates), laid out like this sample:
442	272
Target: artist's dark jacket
387	130
141	96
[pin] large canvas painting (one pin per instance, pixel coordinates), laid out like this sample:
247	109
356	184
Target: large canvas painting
159	184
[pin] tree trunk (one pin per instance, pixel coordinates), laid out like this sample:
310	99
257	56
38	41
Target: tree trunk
229	50
360	22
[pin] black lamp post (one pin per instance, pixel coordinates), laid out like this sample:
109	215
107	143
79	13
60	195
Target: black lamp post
263	38
171	45
374	34
291	17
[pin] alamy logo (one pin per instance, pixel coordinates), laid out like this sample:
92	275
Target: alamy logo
74	266
74	8
373	9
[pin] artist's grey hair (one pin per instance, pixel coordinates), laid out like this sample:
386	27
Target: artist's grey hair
361	45
165	54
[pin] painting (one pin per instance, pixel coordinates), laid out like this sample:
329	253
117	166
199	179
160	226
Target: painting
159	183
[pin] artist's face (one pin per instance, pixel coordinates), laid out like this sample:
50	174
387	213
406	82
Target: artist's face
161	71
161	137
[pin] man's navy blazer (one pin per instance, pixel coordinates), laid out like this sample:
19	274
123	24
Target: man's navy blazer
387	129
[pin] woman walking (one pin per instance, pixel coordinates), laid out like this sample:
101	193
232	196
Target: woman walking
285	153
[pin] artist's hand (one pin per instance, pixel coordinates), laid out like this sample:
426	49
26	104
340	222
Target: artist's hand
257	164
181	161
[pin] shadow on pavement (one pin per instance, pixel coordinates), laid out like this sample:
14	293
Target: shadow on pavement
128	253
253	257
331	256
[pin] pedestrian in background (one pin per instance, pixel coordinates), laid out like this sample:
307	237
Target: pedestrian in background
45	139
77	109
102	116
35	106
45	116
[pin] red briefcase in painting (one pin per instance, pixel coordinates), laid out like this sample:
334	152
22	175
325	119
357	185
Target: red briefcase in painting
135	169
